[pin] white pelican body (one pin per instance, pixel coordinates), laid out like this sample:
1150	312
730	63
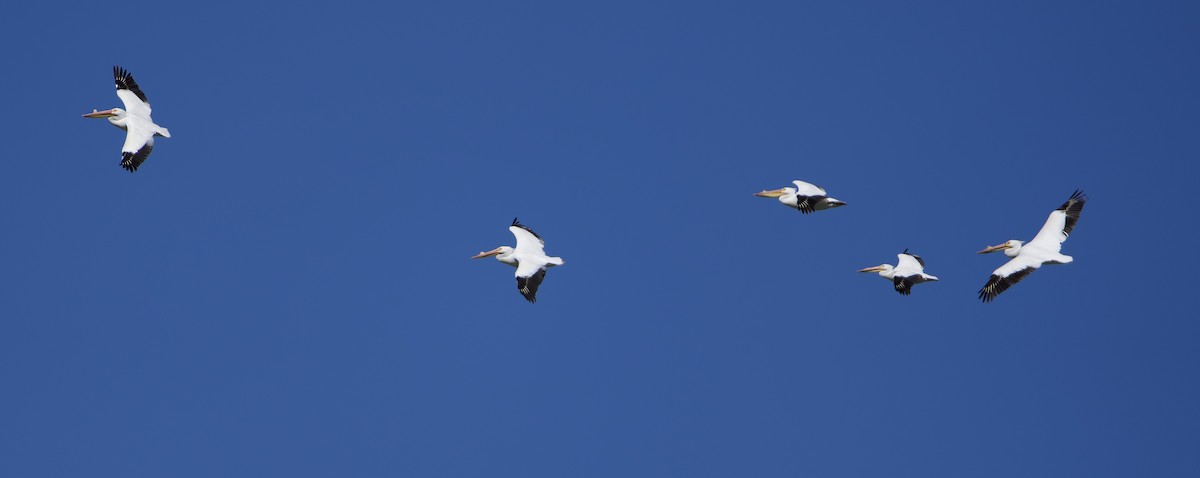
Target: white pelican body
806	197
1044	248
909	271
140	130
528	257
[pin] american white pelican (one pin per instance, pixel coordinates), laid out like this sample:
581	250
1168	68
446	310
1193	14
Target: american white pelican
909	271
529	259
806	197
1042	249
140	130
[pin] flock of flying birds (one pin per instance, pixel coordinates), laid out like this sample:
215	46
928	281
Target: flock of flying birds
531	261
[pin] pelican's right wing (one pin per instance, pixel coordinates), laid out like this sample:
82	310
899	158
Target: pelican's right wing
1060	223
527	240
910	262
808	189
131	95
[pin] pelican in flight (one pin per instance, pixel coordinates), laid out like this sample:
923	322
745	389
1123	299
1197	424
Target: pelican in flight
140	130
806	197
1042	249
909	271
528	257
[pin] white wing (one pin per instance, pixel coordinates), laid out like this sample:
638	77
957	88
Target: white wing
130	93
808	189
908	265
139	142
528	267
1007	275
134	105
1060	223
137	134
526	242
1051	235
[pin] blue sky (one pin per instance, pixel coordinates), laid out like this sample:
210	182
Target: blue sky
284	288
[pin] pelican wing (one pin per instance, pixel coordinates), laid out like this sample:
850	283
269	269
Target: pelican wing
529	276
808	189
903	284
527	240
910	261
1060	223
139	142
131	95
1006	276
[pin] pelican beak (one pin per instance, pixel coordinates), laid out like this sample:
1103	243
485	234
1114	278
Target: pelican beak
770	194
481	255
872	269
997	247
100	114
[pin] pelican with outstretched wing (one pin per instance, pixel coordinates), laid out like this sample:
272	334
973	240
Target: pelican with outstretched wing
140	130
1044	248
528	257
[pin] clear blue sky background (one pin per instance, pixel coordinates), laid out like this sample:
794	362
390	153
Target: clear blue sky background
284	289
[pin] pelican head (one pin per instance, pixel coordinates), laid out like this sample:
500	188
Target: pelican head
1011	248
774	193
499	251
118	112
884	270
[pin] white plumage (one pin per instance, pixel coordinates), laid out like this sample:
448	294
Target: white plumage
1044	248
909	271
135	120
806	197
528	257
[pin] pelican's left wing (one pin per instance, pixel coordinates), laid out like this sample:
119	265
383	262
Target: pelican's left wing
1006	276
529	277
139	142
527	240
1060	223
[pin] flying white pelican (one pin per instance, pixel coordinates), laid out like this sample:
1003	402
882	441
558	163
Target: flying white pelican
806	197
909	271
528	257
140	130
1043	249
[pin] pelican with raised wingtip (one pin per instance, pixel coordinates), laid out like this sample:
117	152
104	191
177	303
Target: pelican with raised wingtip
140	130
909	271
528	257
1044	248
806	197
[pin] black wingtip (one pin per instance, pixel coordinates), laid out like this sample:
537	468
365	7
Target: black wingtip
128	162
125	81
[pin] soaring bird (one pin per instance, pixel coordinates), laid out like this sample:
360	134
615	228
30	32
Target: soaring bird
528	257
1042	249
806	197
909	271
140	130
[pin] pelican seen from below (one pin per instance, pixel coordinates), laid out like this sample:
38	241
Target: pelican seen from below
140	130
806	197
528	257
1044	248
909	271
